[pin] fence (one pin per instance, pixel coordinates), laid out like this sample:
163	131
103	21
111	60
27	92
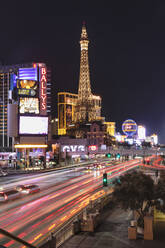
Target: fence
68	229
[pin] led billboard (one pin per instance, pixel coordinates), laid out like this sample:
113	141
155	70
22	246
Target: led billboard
29	105
27	92
34	125
27	84
27	88
28	73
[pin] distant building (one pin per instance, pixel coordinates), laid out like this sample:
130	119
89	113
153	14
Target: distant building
141	132
120	138
54	127
110	128
66	109
96	134
154	138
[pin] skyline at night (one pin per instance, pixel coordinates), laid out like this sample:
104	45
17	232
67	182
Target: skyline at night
126	56
82	140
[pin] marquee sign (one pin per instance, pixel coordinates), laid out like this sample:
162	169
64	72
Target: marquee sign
43	93
73	148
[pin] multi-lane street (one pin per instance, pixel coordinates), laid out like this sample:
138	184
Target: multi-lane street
62	194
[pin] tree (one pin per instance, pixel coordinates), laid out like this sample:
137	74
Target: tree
135	191
160	194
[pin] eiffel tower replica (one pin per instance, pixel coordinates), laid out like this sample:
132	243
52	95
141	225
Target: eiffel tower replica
88	106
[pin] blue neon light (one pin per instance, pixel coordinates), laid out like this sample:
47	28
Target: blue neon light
28	73
13	82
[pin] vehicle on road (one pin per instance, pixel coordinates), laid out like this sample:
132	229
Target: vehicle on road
9	195
3	173
99	166
28	189
95	166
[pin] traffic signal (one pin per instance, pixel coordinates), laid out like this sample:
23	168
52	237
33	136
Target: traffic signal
108	155
118	179
118	155
148	161
105	182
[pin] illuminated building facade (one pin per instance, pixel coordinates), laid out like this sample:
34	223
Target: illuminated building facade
5	78
54	127
97	134
88	106
110	128
154	138
66	108
28	104
141	132
12	90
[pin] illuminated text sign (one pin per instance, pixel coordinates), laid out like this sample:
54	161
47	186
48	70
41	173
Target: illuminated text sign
73	148
92	148
43	89
29	105
26	92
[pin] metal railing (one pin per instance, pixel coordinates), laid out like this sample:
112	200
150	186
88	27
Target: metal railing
13	237
67	230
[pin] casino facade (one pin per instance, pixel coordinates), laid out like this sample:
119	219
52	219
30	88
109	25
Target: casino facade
26	95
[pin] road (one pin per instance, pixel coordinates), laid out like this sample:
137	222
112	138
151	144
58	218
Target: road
62	194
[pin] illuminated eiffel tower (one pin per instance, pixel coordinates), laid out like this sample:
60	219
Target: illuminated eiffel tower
88	107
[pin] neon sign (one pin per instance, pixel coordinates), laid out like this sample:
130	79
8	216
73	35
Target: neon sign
43	88
92	148
73	148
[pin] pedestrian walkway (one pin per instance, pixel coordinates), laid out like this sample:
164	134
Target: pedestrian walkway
31	170
113	233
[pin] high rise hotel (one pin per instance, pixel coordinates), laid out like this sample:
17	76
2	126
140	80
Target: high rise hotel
25	90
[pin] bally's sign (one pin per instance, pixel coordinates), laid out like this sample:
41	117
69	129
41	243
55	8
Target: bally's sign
43	94
73	148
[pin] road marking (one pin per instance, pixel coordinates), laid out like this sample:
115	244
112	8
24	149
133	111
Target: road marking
37	237
51	227
63	218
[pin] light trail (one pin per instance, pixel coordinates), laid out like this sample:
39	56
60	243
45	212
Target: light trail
41	216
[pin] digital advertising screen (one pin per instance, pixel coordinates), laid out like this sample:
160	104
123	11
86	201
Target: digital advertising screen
29	105
33	125
27	84
28	88
27	92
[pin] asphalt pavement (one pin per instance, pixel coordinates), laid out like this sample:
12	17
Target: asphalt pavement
113	233
30	170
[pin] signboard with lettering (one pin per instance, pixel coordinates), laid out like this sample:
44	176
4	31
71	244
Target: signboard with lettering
73	148
43	91
93	148
28	105
27	92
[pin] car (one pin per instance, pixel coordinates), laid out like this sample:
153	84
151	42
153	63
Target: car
3	173
9	195
3	197
28	189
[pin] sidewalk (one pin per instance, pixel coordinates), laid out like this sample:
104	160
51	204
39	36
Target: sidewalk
113	233
31	171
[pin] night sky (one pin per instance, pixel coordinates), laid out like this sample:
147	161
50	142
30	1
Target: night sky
126	52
